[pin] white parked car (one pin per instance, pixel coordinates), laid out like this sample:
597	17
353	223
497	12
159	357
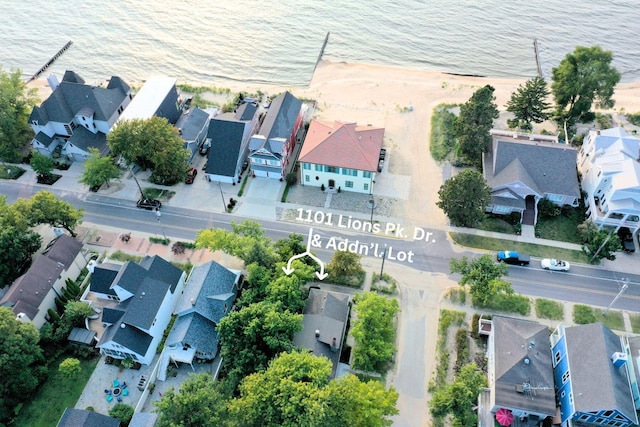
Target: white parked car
555	264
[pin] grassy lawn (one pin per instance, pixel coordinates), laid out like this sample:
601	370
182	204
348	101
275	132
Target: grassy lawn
635	323
549	309
584	314
56	394
158	193
559	228
492	244
496	224
442	137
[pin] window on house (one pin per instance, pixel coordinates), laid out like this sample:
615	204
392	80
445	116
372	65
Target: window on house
565	377
349	172
319	168
306	166
348	184
583	417
607	414
306	178
331	169
366	174
555	197
366	186
562	394
557	357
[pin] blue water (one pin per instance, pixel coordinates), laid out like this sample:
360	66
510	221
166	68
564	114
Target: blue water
278	41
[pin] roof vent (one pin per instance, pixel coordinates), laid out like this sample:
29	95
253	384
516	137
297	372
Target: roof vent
122	325
317	334
526	361
193	302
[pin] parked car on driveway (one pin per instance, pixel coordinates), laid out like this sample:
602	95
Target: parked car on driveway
513	257
626	238
555	264
191	175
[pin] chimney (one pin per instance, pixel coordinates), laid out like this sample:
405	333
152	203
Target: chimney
618	359
334	345
317	334
53	82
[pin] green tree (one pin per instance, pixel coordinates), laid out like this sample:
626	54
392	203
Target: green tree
583	78
45	208
199	403
474	123
288	291
293	245
464	198
76	312
599	243
17	247
529	104
42	165
239	242
98	170
374	331
69	367
254	335
152	144
295	390
344	264
482	275
123	412
21	362
16	102
459	397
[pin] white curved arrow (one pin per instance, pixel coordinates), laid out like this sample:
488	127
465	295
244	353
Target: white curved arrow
321	275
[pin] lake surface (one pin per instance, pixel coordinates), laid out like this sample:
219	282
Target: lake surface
277	41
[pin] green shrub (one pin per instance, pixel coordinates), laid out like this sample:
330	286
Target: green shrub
244	184
583	314
462	350
160	240
509	303
604	120
634	118
548	209
443	138
457	295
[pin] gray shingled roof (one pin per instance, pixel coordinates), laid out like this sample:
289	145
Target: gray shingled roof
143	307
279	121
545	168
191	123
195	330
103	276
85	418
596	383
162	270
72	95
83	139
326	312
63	249
523	356
226	134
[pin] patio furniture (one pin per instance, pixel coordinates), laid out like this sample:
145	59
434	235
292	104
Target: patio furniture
124	384
125	392
107	390
117	391
119	399
116	383
109	398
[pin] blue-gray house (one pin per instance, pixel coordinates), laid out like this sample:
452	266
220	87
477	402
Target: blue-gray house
591	376
209	295
192	127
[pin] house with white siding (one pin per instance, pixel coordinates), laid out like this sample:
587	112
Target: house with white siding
608	163
340	155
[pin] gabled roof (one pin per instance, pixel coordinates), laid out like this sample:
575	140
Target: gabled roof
196	331
281	117
83	138
43	138
596	383
326	312
192	123
162	270
546	168
523	359
29	290
63	249
72	96
211	286
102	277
341	144
226	133
615	140
85	418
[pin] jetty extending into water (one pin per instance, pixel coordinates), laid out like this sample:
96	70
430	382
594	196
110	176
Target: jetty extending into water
51	61
537	52
324	45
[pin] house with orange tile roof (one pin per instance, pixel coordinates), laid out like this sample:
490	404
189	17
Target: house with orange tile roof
341	155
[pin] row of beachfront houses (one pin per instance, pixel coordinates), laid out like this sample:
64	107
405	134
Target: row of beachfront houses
77	116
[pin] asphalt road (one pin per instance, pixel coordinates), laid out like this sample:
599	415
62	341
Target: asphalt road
583	284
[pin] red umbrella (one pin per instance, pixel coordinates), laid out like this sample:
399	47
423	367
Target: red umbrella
504	417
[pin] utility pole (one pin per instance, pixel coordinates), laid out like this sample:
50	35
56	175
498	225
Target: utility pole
602	246
224	204
625	285
384	255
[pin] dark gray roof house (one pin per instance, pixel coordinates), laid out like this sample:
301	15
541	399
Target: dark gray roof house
522	172
208	297
146	294
229	135
324	324
192	127
520	368
85	418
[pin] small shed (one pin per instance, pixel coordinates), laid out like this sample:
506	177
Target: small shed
82	336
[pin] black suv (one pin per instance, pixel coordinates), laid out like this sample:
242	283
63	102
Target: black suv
626	238
149	204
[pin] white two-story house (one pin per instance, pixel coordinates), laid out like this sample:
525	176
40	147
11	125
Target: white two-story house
341	155
608	163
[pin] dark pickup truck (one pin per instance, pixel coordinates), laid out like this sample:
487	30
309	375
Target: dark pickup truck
513	257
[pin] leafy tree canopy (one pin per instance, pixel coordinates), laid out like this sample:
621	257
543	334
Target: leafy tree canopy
474	123
374	331
16	249
253	336
240	242
529	104
22	362
344	264
152	144
599	243
45	208
459	397
16	103
123	412
99	170
69	367
41	164
584	77
482	275
464	198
